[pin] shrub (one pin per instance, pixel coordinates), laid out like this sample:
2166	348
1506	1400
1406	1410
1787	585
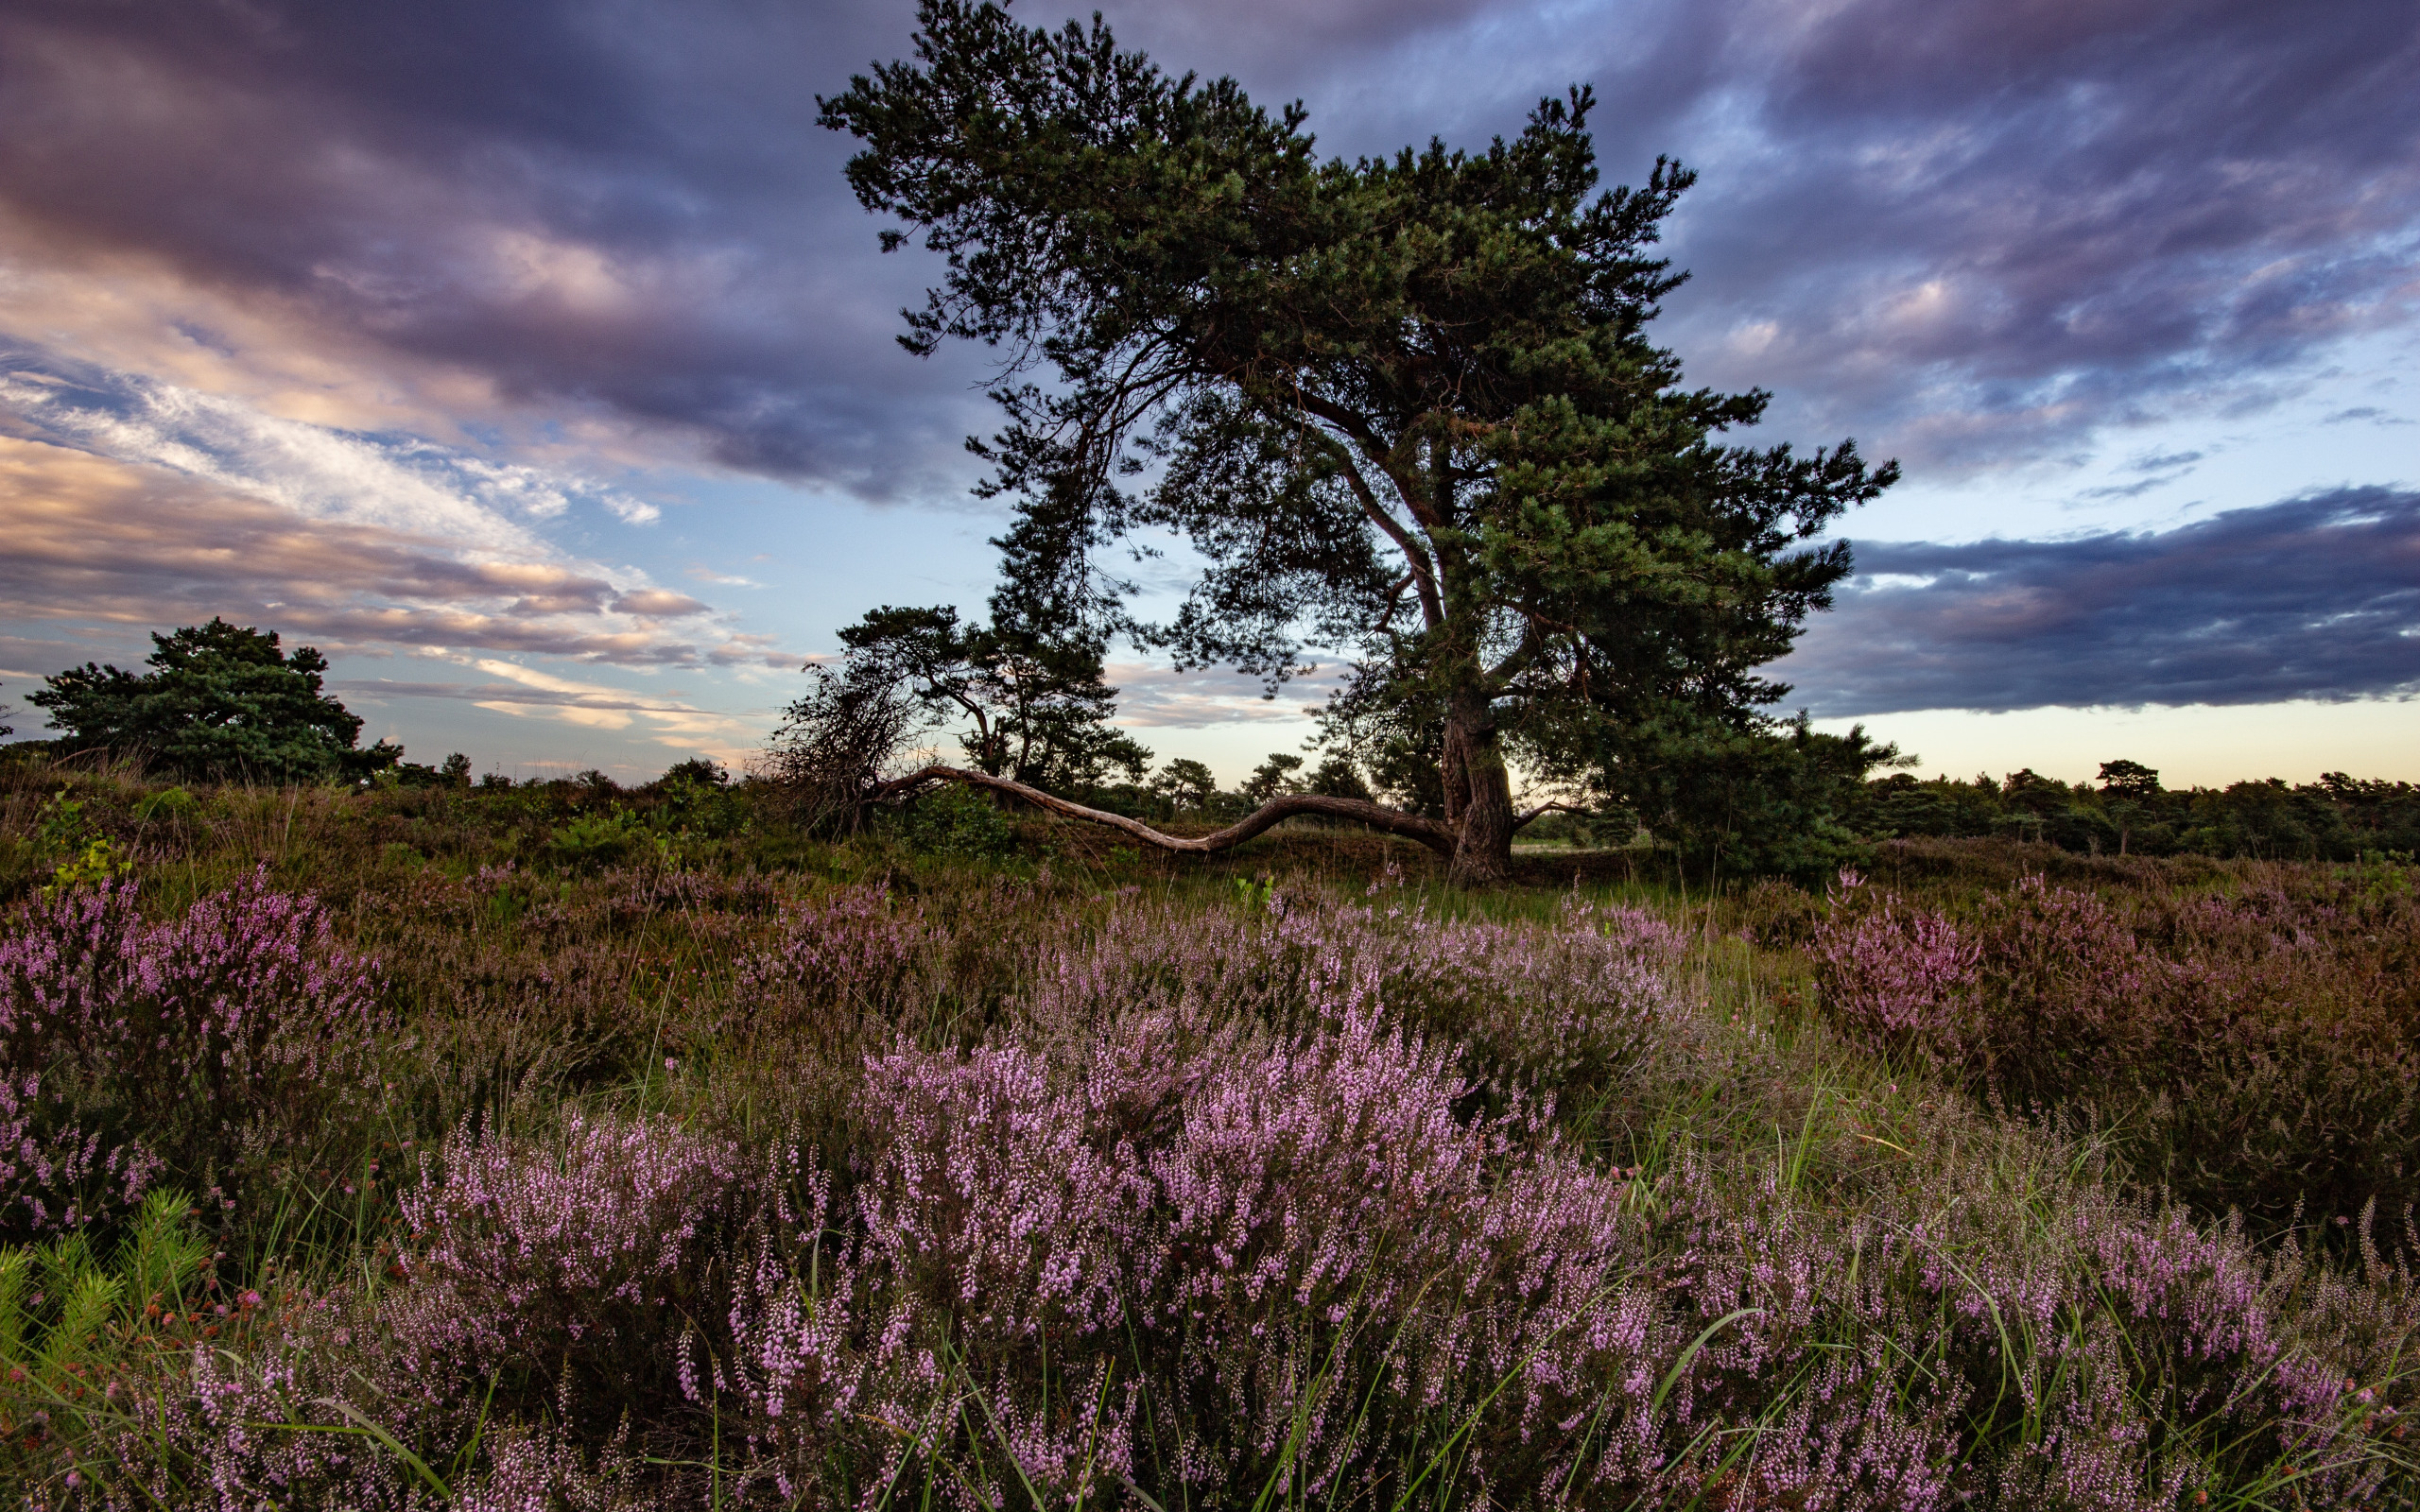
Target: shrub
1898	978
594	840
553	1270
169	805
1559	1008
299	1421
1233	1267
958	822
1006	1192
2254	1051
54	1175
840	961
213	1043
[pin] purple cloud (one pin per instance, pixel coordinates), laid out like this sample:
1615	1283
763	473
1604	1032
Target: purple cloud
2312	597
1966	233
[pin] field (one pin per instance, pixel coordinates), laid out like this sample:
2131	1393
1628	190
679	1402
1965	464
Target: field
566	1146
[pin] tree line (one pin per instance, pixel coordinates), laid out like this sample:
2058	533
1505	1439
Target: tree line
222	702
2126	811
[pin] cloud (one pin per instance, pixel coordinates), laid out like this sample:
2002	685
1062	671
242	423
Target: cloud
330	318
617	221
678	725
2368	412
657	602
1987	231
316	472
1283	38
530	692
2129	490
2163	461
96	539
1157	697
2316	597
1972	233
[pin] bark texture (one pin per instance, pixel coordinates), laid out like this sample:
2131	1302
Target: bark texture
1479	798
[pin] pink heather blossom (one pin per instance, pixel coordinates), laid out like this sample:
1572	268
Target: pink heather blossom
244	1008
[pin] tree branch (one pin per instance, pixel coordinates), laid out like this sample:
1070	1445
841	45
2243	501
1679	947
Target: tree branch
1517	660
1541	810
1422	572
1436	836
1387	460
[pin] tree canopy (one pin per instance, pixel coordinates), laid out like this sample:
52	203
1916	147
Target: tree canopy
221	702
1402	406
1039	708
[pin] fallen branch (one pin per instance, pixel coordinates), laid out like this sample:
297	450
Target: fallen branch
1436	836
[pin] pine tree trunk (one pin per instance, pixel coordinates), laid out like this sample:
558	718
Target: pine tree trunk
1478	796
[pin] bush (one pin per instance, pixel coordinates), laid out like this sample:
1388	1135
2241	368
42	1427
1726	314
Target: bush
593	841
1233	1266
763	1185
553	1271
1896	979
214	1046
2257	1051
843	964
960	822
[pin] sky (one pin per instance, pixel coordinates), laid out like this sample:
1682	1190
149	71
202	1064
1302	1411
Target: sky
535	363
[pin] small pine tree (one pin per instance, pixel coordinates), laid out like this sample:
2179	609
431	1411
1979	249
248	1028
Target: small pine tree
221	702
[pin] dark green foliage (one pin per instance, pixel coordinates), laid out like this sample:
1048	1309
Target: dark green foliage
697	797
1186	783
170	804
1403	758
2337	818
1119	758
1902	805
597	839
1273	777
1039	708
1403	406
222	703
956	821
697	771
1730	800
1337	778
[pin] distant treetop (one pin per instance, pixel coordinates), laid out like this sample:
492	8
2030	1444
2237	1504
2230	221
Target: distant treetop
222	702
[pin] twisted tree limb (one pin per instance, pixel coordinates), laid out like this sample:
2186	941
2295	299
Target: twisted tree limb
1430	833
1435	835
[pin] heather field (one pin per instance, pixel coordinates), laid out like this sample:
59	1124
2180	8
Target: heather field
561	1147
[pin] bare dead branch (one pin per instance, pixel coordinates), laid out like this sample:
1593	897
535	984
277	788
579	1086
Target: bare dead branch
1430	833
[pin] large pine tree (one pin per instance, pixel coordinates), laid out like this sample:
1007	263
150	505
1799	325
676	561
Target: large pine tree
1402	406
